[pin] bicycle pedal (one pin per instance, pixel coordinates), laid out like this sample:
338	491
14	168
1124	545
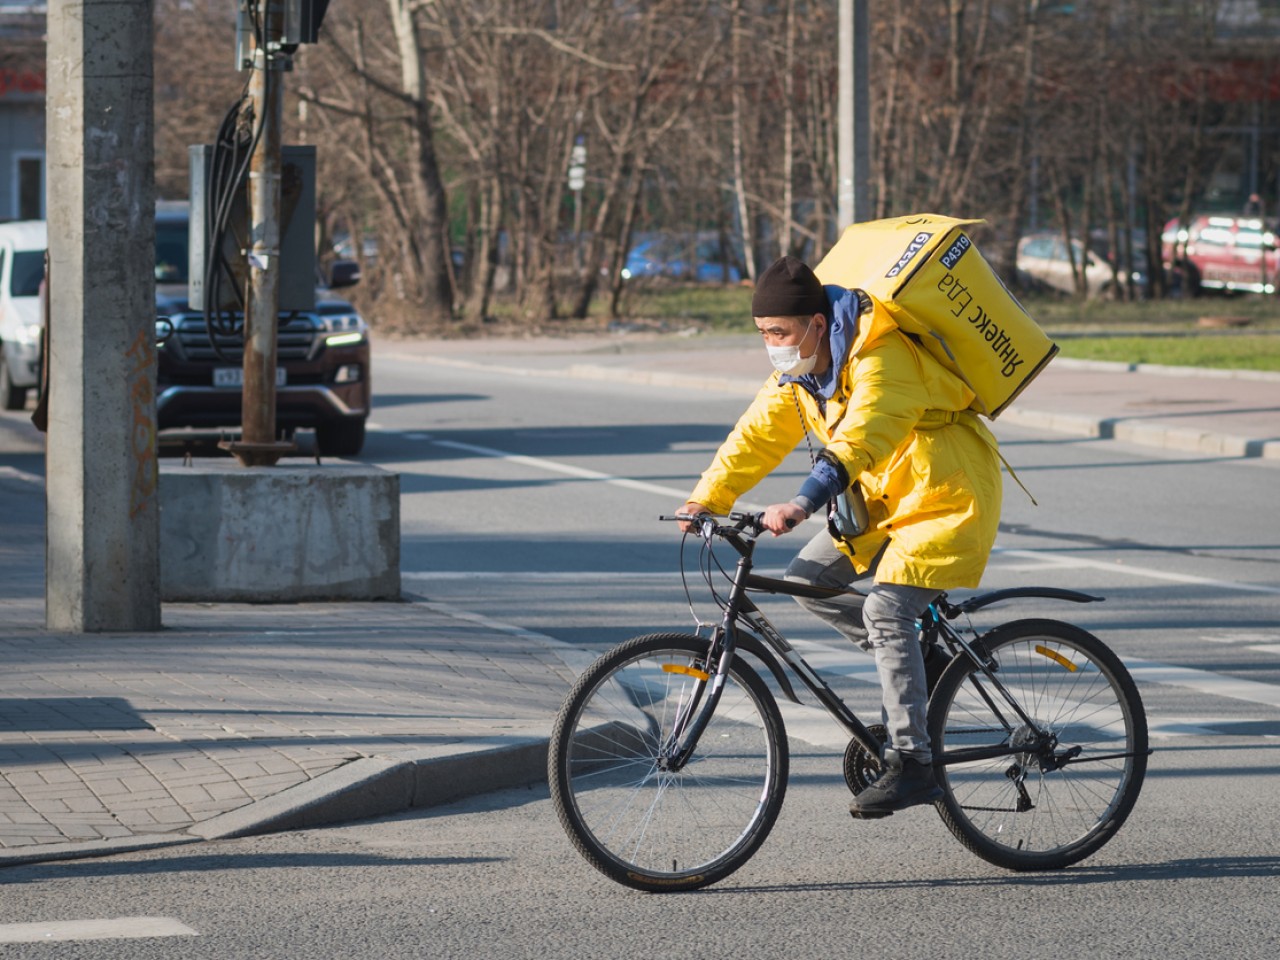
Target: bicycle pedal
869	814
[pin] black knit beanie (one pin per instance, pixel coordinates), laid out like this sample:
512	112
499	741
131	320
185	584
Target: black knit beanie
789	289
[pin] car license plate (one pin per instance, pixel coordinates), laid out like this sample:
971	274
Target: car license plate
234	377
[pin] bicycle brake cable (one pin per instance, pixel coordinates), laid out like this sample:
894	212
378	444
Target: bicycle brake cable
708	574
698	622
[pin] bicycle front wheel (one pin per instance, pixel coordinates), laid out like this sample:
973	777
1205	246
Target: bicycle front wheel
1064	796
638	822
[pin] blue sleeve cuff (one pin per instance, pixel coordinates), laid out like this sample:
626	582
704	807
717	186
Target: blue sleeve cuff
823	483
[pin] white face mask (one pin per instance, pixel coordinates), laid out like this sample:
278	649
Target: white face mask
788	360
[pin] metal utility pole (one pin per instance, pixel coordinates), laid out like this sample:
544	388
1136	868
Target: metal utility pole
854	106
259	445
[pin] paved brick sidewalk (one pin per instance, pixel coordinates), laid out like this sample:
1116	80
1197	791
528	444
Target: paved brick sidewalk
145	738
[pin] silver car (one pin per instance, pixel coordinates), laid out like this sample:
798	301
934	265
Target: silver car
22	246
1042	257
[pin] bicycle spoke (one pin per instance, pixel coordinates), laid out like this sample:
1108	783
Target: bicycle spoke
1074	770
628	812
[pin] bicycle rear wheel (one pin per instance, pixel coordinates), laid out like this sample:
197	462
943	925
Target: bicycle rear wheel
1060	800
657	829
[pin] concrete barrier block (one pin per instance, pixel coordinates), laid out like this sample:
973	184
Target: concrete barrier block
282	534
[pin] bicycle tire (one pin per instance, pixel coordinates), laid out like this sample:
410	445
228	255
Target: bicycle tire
1069	681
658	830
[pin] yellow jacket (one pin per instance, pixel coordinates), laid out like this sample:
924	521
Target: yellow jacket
898	423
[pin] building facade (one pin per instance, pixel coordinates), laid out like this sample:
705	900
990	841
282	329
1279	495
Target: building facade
22	110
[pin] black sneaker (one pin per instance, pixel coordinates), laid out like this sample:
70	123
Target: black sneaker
903	784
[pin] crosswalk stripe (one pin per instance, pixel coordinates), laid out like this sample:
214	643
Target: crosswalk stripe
120	928
1204	681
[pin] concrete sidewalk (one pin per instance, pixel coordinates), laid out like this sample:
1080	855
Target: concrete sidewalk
238	719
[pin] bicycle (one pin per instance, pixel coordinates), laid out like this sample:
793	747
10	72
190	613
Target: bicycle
668	761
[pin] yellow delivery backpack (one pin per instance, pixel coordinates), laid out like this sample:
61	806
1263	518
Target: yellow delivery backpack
929	274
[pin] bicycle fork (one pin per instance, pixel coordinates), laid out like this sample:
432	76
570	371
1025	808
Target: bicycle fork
695	714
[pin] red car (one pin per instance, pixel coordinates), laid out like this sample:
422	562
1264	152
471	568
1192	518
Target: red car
1222	253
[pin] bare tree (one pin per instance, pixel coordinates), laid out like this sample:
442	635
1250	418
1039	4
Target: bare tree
368	81
447	123
196	83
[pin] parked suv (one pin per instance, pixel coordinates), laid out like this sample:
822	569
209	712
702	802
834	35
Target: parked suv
1221	253
322	356
22	247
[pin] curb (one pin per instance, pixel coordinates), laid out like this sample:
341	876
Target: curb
360	790
1147	433
83	850
381	786
1155	369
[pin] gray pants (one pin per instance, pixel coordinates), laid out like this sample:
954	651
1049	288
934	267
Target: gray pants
883	622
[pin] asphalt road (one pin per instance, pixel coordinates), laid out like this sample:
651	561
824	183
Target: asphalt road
534	502
495	878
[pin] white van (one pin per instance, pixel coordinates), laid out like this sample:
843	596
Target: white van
22	246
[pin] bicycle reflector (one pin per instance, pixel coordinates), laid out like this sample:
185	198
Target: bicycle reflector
1056	657
687	671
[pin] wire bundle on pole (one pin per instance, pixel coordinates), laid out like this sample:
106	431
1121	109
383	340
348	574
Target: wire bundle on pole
233	148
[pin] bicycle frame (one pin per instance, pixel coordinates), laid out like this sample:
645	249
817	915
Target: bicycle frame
726	640
777	651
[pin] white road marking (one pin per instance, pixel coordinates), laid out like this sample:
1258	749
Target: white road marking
608	576
835	660
1034	566
559	576
814	725
574	657
553	466
1242	636
535	576
1044	557
1204	681
540	463
121	928
1130	569
13	473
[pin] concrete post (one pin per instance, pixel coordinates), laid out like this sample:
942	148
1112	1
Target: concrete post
102	550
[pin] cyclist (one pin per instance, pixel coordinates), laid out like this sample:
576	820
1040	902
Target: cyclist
893	420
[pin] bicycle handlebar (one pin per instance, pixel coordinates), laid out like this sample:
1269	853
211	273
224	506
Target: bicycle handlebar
750	524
